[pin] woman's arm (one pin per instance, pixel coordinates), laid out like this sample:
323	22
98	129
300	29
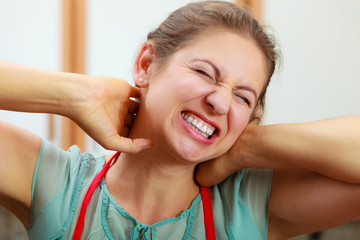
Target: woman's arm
316	182
29	89
330	147
101	106
302	202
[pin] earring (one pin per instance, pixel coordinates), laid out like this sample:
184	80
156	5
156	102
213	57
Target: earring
141	80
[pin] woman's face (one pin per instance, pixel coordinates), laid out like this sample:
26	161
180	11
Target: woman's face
200	101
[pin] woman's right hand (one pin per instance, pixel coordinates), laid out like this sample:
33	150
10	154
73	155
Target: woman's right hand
101	106
105	111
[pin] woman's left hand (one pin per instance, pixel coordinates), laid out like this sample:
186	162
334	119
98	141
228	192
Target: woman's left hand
216	170
212	172
236	158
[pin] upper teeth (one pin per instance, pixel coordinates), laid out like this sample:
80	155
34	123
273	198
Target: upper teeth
198	125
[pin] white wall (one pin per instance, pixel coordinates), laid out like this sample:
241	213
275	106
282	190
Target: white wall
30	35
321	67
117	28
319	40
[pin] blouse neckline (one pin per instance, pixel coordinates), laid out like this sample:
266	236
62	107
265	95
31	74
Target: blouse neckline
119	208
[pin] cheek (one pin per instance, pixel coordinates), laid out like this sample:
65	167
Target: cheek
192	86
238	120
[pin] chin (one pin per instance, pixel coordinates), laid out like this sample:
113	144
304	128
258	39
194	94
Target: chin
193	157
189	153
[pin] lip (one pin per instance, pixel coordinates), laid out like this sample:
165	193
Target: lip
195	134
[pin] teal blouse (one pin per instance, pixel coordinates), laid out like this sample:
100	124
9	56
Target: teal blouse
62	178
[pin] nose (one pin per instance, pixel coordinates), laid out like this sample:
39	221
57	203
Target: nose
220	100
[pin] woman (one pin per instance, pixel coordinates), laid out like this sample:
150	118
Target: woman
202	76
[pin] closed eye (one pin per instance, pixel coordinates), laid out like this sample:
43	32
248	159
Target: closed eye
242	98
205	74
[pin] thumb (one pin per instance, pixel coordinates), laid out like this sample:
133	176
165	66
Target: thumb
128	145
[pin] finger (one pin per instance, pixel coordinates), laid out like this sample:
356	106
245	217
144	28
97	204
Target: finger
133	106
134	92
128	145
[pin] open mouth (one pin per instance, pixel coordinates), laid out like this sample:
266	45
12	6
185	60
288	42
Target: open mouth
199	125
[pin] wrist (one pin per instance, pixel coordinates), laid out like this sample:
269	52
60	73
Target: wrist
248	148
73	94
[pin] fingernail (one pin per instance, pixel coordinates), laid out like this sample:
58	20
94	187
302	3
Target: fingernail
143	143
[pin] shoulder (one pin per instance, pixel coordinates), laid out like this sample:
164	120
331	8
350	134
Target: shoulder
56	162
59	184
248	182
62	168
244	198
19	150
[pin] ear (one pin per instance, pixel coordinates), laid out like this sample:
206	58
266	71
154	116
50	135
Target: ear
143	65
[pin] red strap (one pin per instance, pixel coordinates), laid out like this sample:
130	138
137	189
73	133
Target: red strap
208	213
80	223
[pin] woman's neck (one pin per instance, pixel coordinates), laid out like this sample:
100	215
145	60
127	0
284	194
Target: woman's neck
152	186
